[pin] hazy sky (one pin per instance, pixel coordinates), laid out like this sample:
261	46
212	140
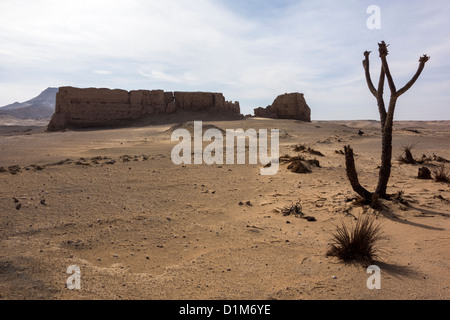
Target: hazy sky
251	50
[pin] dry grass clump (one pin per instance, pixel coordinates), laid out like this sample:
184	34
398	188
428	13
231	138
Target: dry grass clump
296	210
299	164
304	148
407	157
299	167
441	175
359	243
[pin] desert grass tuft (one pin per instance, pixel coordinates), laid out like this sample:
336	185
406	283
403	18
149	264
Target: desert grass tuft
441	175
358	244
407	157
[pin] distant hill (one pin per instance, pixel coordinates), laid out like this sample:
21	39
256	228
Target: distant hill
7	120
42	106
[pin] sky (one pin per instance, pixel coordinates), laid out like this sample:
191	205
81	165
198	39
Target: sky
251	51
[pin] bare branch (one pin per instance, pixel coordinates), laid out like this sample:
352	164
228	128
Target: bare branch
380	99
383	54
367	70
353	175
424	59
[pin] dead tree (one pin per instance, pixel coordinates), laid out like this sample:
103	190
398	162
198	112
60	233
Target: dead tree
387	121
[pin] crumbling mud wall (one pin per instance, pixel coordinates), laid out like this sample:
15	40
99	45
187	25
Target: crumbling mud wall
94	107
287	106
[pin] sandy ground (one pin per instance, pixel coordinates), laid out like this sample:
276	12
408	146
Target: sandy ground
148	229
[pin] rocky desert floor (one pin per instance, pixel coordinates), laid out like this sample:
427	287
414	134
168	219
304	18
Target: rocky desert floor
138	226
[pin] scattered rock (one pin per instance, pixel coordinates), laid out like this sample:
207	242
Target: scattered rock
82	163
67	161
413	130
14	169
424	173
439	159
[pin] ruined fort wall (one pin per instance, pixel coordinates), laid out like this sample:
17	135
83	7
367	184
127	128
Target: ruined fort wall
95	107
287	106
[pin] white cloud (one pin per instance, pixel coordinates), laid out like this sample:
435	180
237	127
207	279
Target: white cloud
251	51
102	72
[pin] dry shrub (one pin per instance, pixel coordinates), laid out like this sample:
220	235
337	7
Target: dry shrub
441	175
408	157
299	164
439	159
314	163
398	198
359	243
288	158
299	148
315	152
425	159
296	210
303	148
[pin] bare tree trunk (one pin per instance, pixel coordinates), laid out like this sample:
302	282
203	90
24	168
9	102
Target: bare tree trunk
386	153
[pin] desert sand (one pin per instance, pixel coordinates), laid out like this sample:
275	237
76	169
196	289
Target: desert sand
112	202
